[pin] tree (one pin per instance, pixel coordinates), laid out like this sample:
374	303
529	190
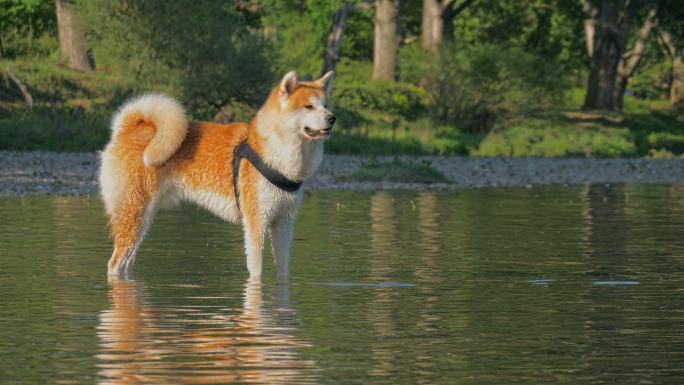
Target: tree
72	41
203	53
631	59
386	40
22	23
591	12
333	48
671	37
615	21
438	20
676	55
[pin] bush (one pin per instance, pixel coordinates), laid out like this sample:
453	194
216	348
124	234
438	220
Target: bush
473	88
201	51
672	142
67	130
403	99
28	28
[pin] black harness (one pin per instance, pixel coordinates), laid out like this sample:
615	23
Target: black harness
244	150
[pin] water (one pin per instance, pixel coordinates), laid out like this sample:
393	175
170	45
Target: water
563	285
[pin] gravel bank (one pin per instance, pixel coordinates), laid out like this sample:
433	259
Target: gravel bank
46	173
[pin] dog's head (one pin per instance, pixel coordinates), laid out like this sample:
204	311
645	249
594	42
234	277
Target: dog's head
303	107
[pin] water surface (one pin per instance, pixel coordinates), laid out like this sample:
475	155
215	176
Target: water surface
563	285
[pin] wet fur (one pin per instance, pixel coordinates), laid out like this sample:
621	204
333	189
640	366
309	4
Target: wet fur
156	158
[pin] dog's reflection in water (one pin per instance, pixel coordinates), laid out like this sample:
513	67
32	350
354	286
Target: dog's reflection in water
141	343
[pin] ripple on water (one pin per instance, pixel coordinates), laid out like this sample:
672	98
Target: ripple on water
542	285
364	284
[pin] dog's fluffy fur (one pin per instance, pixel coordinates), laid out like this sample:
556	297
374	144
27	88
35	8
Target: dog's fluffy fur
156	157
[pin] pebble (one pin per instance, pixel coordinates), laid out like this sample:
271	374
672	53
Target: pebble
52	173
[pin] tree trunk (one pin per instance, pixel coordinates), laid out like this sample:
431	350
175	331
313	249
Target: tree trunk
538	40
438	21
677	88
677	83
451	11
22	87
433	24
385	40
71	38
590	25
612	30
333	48
630	60
334	45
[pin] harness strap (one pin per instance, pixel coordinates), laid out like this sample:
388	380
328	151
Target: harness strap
244	150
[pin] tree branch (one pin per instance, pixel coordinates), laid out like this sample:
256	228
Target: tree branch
631	59
457	11
22	87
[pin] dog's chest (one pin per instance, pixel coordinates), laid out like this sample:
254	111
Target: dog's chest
277	202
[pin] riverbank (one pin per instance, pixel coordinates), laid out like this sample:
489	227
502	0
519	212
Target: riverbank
51	173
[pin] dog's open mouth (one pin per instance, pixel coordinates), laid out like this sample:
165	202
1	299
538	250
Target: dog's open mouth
318	134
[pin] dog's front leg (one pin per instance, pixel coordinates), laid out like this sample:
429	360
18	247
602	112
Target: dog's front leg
255	235
282	232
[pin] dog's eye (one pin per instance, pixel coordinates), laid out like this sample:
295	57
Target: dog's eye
309	107
325	106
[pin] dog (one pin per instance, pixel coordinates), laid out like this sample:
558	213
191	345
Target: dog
248	174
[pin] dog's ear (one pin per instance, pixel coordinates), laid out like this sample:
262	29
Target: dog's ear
323	81
289	83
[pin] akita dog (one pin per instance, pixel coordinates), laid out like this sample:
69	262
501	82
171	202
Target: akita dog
248	174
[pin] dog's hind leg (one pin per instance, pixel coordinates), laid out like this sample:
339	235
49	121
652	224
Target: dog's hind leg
129	225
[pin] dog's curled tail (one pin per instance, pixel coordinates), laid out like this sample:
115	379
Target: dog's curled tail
165	114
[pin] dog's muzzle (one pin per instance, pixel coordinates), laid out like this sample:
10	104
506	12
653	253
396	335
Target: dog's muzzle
324	132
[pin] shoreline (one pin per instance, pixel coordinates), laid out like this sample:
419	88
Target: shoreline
26	173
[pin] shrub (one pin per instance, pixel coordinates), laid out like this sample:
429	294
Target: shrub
474	87
672	142
27	27
404	99
67	130
201	51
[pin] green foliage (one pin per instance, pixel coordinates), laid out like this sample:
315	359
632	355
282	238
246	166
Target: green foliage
542	138
374	143
502	87
61	88
403	99
66	130
553	29
27	28
300	39
300	30
202	52
379	137
639	132
672	142
473	88
398	170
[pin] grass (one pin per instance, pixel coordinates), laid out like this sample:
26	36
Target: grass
54	131
367	132
398	170
73	109
646	128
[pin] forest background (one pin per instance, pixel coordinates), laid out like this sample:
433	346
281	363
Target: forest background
447	77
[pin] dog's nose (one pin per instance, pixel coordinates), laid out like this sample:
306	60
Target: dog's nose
332	119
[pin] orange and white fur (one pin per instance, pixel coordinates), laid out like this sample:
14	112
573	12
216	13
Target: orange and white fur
157	158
